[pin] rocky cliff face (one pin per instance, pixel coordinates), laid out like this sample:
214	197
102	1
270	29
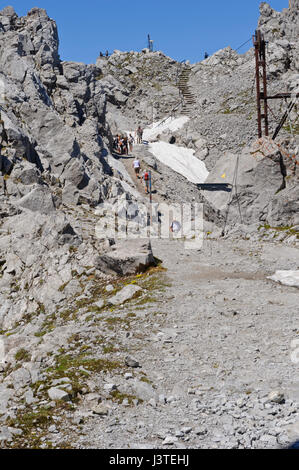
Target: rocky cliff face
53	113
54	142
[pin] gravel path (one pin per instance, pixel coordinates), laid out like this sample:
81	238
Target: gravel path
213	346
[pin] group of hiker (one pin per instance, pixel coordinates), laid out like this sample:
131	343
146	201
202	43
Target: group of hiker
145	177
122	144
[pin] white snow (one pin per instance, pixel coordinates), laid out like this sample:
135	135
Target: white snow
170	124
289	278
181	160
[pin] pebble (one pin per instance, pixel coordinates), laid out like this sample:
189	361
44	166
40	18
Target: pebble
101	410
128	376
110	387
170	440
131	362
276	397
109	288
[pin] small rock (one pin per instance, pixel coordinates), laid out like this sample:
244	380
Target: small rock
162	399
171	399
101	410
29	399
110	387
109	288
128	376
276	397
186	429
131	362
152	402
125	294
100	304
58	394
169	440
63	380
200	431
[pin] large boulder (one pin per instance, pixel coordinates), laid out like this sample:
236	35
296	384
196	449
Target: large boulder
39	199
253	179
128	257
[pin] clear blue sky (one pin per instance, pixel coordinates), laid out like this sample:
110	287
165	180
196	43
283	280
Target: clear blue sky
182	29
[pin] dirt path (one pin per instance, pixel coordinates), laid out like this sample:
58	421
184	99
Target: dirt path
213	340
140	152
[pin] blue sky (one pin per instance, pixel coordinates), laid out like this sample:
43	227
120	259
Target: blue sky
182	29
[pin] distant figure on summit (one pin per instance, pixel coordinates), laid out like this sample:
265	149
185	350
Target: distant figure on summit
206	55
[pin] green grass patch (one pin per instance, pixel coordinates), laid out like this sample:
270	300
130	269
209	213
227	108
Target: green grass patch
22	356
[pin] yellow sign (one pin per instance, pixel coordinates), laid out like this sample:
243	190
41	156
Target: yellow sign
224	175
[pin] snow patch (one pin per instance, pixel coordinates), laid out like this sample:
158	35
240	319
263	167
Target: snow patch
181	160
170	124
289	278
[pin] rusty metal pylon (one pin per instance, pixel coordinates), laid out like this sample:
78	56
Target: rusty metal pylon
261	89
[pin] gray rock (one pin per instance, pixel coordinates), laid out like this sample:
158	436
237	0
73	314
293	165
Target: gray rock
131	257
131	362
101	410
110	387
276	397
57	394
38	200
127	293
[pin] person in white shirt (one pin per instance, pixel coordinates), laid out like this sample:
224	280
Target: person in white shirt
136	166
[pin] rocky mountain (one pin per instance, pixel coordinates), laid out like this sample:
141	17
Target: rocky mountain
77	301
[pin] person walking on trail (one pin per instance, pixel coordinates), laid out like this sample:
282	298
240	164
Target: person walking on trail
146	179
175	226
115	144
131	142
136	166
126	145
139	133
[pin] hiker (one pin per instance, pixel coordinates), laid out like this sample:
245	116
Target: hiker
125	145
136	166
115	143
175	226
146	179
139	133
107	54
131	142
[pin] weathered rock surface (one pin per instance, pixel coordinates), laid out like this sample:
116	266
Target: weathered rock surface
129	257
